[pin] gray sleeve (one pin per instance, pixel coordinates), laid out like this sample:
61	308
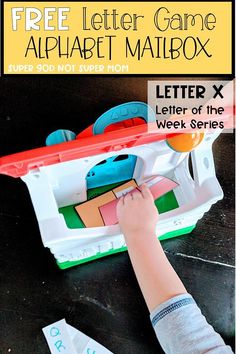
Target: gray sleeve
182	329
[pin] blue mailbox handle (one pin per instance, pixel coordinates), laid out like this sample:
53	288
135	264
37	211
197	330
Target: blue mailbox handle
114	115
123	112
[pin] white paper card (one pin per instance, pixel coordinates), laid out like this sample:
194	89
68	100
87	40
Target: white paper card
63	338
94	347
58	338
152	181
79	339
123	192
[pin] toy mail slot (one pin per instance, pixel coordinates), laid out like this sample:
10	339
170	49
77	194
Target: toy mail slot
64	175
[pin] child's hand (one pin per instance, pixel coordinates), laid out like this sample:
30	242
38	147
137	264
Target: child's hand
137	212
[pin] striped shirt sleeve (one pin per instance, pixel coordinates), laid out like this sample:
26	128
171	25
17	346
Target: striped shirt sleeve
182	329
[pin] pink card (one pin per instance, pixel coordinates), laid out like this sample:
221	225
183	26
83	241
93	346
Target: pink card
108	211
158	186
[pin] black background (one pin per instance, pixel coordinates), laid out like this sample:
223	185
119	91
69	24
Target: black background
100	298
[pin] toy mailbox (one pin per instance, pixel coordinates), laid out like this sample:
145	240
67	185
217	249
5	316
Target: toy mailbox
121	146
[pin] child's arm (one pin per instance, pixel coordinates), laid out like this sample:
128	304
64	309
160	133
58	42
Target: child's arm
178	322
138	217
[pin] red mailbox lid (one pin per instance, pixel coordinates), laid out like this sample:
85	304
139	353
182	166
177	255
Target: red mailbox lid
19	164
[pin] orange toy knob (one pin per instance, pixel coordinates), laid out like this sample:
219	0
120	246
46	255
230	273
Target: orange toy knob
185	142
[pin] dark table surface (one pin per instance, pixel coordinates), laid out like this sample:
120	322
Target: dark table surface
101	298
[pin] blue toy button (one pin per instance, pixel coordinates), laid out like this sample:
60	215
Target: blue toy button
60	136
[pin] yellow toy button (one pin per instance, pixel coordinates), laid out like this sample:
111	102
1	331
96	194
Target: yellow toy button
185	142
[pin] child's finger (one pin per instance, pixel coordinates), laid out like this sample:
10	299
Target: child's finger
137	195
120	203
127	197
146	192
